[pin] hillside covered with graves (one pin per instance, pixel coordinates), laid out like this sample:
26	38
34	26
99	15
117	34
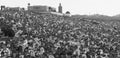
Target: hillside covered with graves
27	34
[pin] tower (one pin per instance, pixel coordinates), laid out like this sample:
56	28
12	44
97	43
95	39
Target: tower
60	8
28	6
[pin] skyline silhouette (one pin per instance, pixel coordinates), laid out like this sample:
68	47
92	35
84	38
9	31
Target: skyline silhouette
82	7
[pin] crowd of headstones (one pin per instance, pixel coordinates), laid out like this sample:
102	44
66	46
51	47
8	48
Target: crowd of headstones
31	35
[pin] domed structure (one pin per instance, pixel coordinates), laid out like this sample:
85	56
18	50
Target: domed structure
67	12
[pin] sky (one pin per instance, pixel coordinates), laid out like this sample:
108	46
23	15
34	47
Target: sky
82	7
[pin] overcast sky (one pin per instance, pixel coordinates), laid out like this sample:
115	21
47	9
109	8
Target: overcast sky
105	7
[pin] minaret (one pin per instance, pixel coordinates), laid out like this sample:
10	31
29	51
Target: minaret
28	6
60	8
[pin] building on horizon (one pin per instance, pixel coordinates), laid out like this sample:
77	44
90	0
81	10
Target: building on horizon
38	9
4	8
41	8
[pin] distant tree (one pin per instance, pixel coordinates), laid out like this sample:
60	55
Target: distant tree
28	4
23	8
